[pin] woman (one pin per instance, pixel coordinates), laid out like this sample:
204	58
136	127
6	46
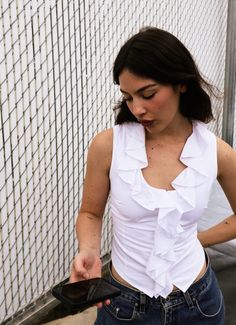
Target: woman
158	165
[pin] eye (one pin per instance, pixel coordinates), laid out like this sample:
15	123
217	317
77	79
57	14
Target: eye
149	96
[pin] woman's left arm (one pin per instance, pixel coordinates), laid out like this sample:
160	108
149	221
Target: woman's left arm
225	230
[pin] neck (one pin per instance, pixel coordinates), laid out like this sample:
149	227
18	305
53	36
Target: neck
180	130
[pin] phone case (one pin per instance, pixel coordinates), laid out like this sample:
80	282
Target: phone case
85	293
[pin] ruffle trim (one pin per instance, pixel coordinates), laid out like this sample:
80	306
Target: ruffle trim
168	205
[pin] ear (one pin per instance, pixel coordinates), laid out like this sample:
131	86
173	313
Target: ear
183	88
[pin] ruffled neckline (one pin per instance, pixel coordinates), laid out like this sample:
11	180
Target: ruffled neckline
167	205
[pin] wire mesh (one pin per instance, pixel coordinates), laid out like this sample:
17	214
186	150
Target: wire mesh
56	93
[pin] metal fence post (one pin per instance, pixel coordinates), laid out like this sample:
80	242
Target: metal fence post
230	76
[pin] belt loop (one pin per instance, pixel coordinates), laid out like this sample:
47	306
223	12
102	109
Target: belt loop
188	299
142	302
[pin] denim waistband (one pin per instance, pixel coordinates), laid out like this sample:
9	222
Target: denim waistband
176	296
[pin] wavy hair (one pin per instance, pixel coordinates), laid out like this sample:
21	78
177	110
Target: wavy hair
156	54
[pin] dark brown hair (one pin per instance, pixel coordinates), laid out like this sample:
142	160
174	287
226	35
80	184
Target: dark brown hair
156	54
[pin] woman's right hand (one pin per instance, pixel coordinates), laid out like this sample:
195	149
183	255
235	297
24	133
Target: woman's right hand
86	265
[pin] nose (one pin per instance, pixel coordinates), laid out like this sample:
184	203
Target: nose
137	107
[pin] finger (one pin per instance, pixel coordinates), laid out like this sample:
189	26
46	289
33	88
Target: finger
75	277
107	302
99	305
78	271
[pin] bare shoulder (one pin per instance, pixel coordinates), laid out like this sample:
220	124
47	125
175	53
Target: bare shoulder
226	157
104	137
101	147
103	141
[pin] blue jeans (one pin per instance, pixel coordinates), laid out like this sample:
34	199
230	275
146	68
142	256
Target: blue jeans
201	304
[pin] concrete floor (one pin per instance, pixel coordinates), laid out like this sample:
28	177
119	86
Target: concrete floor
87	317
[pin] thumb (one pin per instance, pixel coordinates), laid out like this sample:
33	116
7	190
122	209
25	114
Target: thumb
78	271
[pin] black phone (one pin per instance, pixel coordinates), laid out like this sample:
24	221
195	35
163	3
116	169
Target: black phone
85	293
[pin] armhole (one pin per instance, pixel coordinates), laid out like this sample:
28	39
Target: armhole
217	146
216	155
115	131
221	147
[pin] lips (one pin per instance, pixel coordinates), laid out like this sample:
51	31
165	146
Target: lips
146	123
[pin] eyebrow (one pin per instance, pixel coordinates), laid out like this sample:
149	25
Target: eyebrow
140	89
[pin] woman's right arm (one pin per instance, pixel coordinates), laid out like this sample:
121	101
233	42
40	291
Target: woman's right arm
87	263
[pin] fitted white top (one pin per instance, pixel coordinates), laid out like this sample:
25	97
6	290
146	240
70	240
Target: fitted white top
155	243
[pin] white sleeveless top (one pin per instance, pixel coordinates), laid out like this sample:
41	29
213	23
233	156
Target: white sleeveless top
155	243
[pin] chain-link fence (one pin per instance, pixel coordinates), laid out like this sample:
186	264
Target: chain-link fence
56	93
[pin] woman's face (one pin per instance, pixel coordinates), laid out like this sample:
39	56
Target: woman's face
156	106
